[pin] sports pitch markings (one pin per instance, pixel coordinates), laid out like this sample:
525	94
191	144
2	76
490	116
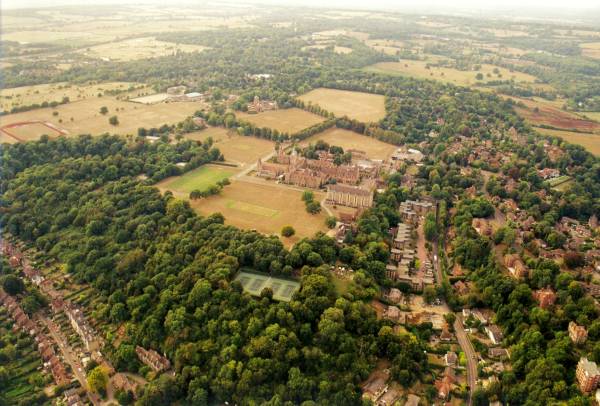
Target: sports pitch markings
251	208
283	289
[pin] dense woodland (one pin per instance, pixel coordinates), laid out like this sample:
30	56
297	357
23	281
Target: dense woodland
166	273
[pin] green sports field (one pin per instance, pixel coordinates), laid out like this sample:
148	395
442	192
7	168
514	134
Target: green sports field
283	289
200	178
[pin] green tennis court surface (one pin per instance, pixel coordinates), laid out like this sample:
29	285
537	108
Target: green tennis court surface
283	289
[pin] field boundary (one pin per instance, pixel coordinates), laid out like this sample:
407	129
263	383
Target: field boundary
51	126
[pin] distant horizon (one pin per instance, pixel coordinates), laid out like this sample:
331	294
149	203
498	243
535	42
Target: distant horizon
427	6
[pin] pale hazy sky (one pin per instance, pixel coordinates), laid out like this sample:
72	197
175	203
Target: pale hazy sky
540	5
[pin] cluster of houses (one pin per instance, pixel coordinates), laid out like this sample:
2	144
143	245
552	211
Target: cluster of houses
545	297
76	316
407	155
350	185
81	326
258	106
588	375
446	382
73	312
71	397
391	312
402	251
45	347
381	393
153	359
548	173
178	94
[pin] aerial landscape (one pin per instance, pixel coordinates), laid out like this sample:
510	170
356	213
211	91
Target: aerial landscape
277	203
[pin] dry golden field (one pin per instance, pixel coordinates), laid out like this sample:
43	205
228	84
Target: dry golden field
591	142
374	148
283	120
361	36
591	49
236	148
83	117
591	115
138	48
44	36
37	94
264	207
387	46
364	107
6	139
31	132
507	33
419	69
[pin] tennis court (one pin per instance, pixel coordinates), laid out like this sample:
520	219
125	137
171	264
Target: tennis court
283	289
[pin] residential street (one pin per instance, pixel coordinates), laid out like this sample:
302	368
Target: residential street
467	347
461	335
69	356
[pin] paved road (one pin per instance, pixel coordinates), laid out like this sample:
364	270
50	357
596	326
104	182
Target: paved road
461	334
251	167
467	347
69	356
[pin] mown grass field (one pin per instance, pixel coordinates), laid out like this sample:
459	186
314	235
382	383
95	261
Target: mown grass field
199	178
236	148
283	120
364	107
420	69
374	148
263	207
